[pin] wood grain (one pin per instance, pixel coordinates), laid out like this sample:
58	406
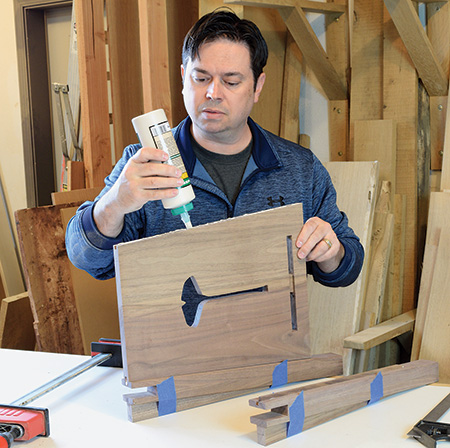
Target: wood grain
436	331
335	312
224	257
16	323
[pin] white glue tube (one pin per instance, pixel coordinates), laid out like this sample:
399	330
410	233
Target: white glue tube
154	131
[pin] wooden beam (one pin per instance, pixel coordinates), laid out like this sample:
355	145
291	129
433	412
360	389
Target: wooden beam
386	331
338	51
418	45
438	31
307	6
126	80
445	177
289	121
94	92
366	89
155	56
400	100
438	114
314	53
307	41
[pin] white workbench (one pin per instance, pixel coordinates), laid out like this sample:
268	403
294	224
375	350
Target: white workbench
89	412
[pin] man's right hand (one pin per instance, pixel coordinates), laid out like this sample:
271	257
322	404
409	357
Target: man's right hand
144	178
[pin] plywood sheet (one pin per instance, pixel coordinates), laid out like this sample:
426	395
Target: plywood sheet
335	312
225	257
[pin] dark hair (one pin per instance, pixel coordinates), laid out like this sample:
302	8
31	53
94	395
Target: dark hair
225	24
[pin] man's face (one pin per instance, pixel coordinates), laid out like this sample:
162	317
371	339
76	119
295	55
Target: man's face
218	91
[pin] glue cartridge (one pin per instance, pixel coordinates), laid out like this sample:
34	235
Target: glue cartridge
154	131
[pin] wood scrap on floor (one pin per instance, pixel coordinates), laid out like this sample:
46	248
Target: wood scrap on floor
323	401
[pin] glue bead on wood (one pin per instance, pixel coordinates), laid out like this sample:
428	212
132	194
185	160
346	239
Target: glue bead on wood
154	131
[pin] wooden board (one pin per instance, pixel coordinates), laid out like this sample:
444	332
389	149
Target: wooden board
96	300
377	140
201	388
329	399
438	31
289	121
400	99
225	257
387	330
335	312
366	98
338	49
126	80
16	323
94	91
436	332
81	195
445	177
11	279
438	218
419	46
243	378
154	48
47	273
267	111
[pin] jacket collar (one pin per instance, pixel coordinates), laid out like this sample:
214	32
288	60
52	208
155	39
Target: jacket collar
264	153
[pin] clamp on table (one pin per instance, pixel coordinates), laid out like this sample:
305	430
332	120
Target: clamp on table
429	431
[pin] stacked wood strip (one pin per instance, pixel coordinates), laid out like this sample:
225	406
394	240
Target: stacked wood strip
329	399
208	387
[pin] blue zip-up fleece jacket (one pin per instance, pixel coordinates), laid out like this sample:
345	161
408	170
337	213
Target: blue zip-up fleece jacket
278	173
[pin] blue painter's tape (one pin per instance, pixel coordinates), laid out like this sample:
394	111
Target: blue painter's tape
376	389
296	416
280	375
167	397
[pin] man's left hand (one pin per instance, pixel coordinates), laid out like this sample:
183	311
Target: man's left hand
318	242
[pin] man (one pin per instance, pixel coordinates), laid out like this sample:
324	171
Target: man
235	166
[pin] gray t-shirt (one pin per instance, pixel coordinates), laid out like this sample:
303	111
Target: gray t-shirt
225	170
